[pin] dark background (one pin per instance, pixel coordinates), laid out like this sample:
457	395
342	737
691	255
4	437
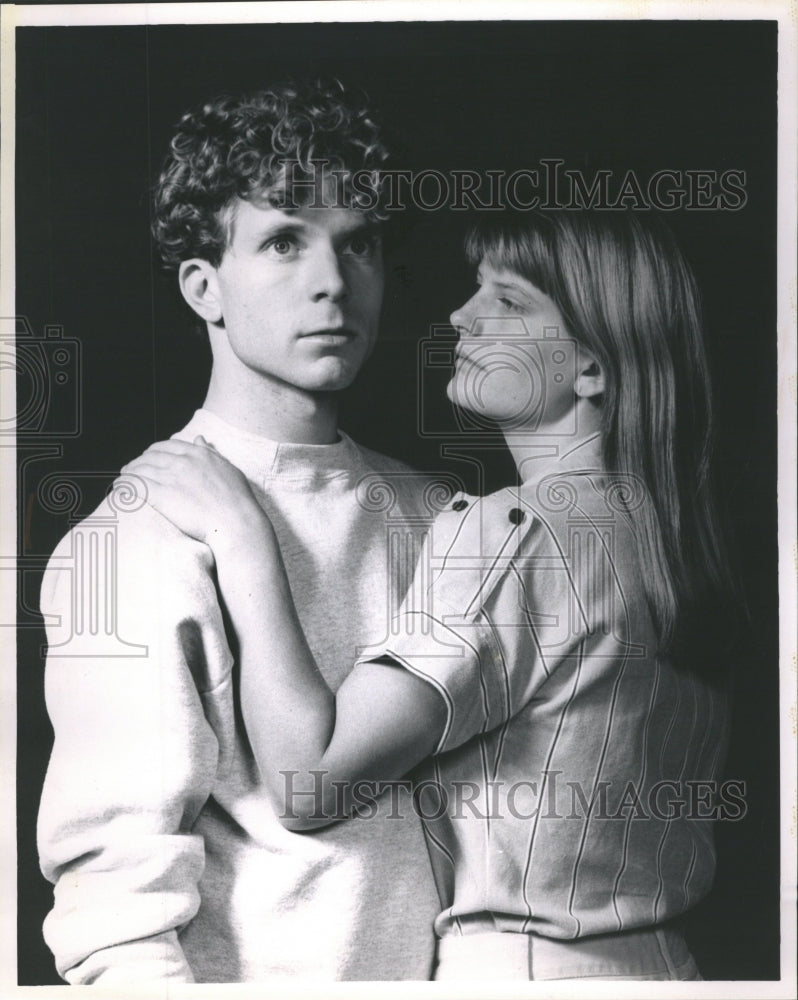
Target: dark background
95	107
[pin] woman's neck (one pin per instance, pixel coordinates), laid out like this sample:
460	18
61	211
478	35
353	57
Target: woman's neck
550	442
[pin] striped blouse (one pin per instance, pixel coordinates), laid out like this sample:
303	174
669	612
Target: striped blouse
574	788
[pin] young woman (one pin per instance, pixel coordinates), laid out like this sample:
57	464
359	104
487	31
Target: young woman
549	668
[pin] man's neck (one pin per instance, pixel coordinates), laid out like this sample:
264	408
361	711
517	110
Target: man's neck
275	410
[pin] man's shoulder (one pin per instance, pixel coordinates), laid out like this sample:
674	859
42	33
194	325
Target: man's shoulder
124	513
125	533
130	562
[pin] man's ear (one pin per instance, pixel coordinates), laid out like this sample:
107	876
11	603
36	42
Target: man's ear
589	377
199	286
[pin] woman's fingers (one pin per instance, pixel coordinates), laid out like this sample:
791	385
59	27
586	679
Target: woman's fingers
169	451
149	480
169	499
176	455
183	458
193	486
181	463
157	479
150	466
198	453
172	449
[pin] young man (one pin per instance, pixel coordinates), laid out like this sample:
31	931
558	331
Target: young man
167	859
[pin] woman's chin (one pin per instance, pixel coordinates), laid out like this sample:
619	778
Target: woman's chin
464	400
480	409
487	405
462	394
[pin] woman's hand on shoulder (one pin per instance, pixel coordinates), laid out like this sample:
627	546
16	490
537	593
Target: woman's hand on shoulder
199	491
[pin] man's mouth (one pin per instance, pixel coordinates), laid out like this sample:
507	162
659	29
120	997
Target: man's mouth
334	336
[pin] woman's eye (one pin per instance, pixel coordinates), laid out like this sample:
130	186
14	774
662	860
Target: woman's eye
510	305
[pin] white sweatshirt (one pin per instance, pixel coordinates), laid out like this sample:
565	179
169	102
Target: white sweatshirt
167	858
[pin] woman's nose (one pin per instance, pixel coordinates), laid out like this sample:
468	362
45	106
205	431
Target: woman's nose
459	319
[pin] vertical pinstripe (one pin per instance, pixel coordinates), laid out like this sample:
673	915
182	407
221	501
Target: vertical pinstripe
559	678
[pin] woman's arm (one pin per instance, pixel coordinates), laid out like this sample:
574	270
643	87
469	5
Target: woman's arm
381	722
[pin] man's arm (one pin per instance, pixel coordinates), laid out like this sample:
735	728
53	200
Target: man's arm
134	760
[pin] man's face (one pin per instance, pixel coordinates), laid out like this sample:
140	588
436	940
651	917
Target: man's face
300	293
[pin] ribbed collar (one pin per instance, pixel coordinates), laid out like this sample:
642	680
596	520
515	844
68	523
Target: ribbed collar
260	458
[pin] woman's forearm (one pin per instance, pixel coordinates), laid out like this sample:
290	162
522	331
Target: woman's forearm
313	748
307	742
289	711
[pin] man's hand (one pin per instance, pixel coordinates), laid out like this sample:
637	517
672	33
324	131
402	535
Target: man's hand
199	491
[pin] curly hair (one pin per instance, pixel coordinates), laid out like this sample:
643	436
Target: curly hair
258	147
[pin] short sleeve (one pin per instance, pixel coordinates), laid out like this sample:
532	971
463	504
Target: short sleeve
490	615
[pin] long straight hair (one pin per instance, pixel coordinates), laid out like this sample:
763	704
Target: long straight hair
629	297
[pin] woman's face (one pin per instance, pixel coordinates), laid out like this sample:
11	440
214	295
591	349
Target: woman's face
515	359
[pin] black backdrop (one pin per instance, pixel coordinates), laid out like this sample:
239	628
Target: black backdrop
95	106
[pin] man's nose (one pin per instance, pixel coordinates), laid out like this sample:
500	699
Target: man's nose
327	277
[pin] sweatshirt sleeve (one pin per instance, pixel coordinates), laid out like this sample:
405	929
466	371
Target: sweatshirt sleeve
134	757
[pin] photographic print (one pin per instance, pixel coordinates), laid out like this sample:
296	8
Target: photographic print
396	421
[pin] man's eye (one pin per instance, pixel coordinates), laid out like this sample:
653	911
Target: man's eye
281	246
362	246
